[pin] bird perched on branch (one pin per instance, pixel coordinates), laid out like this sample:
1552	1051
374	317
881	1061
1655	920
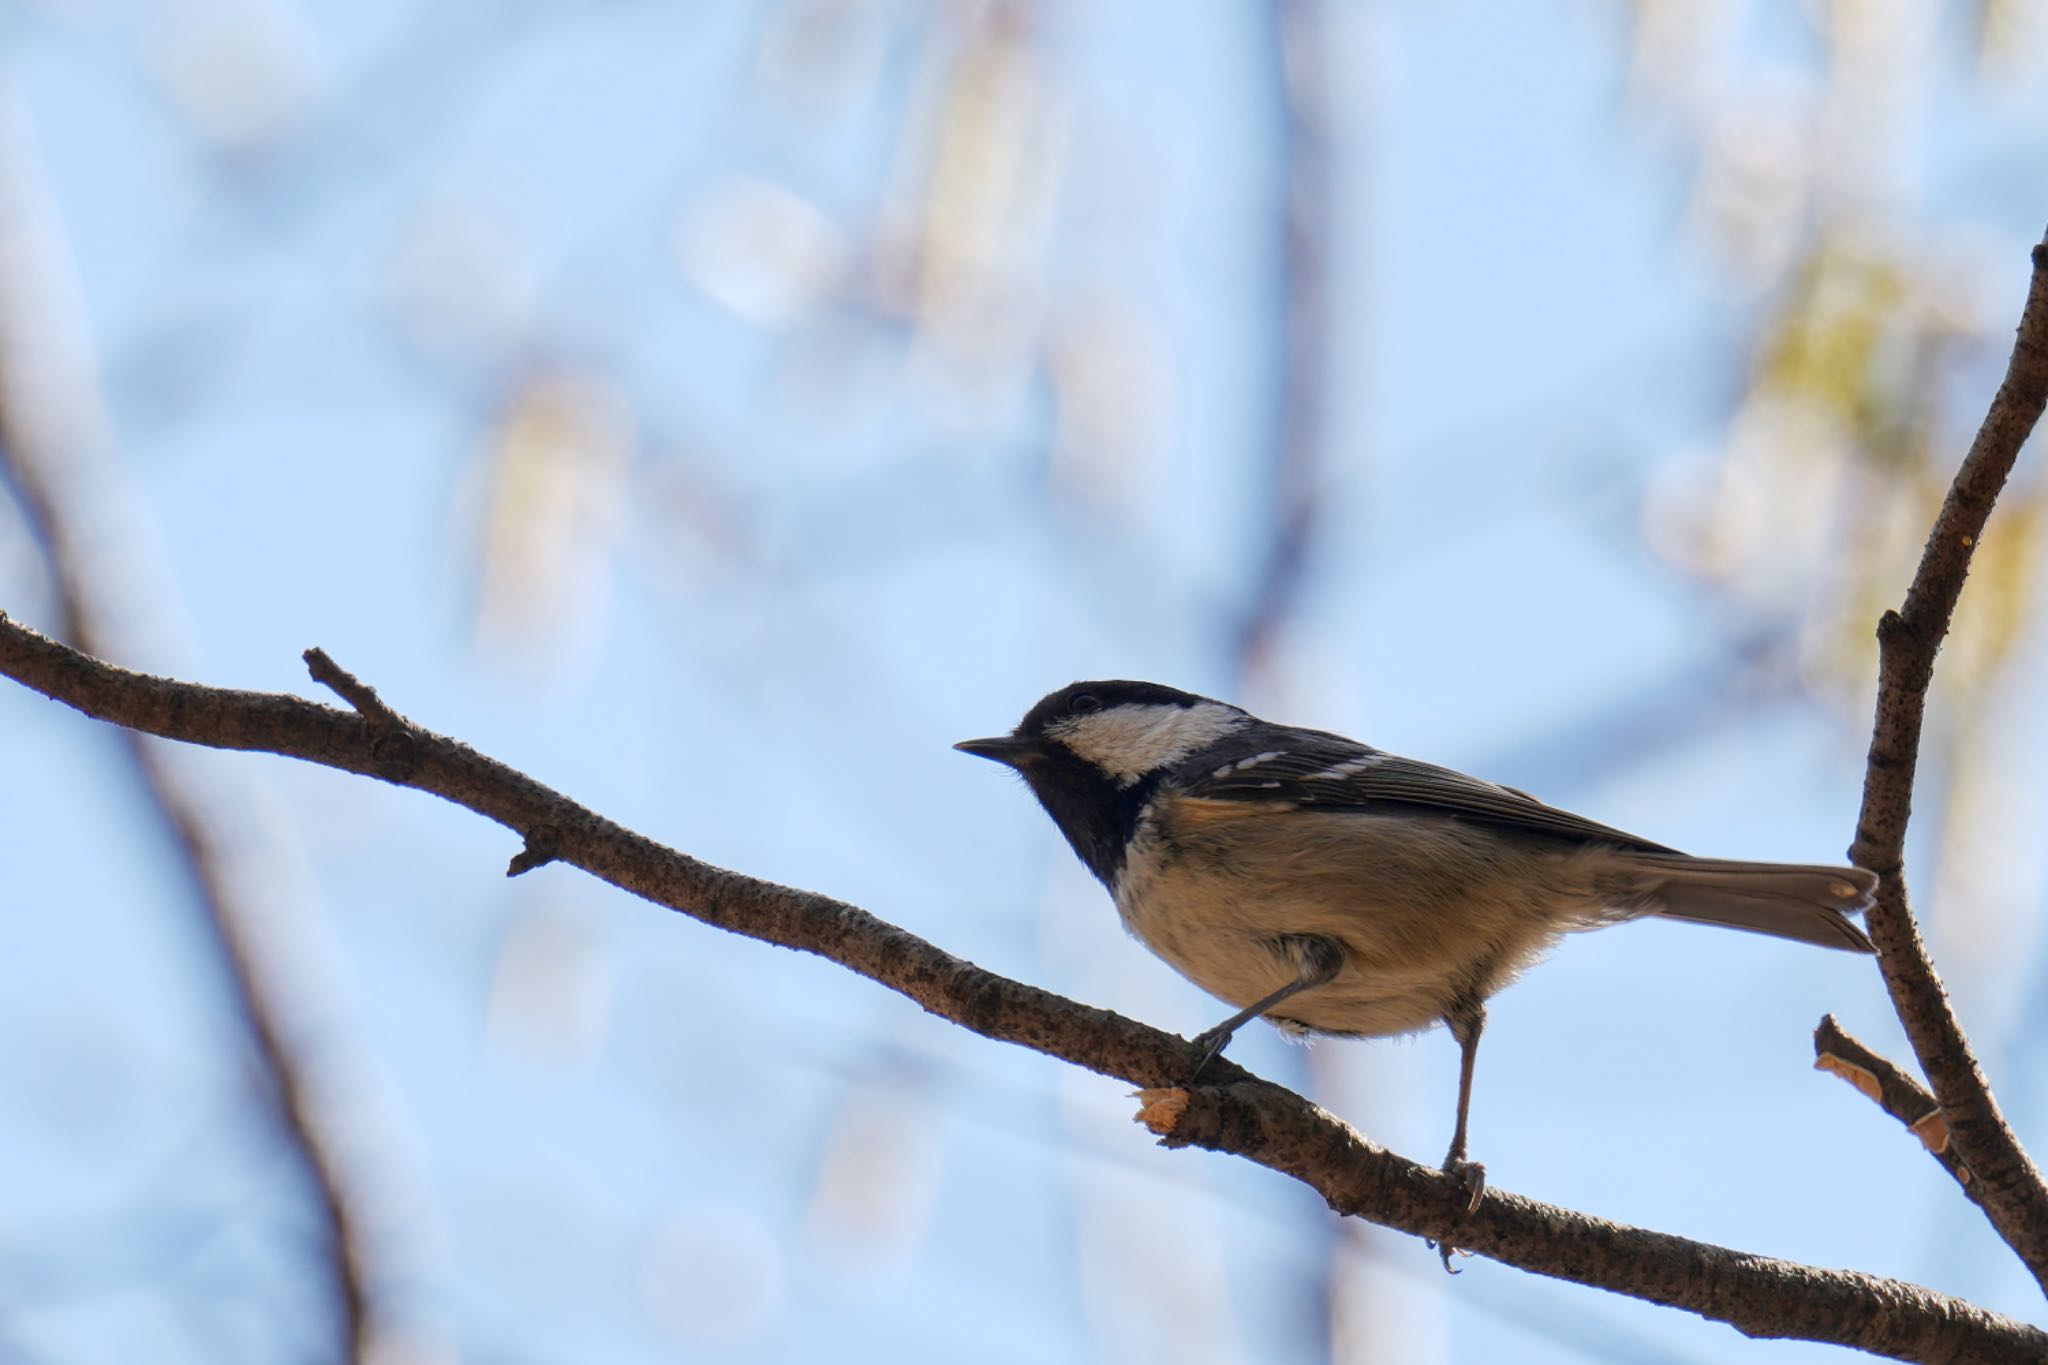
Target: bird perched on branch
1332	888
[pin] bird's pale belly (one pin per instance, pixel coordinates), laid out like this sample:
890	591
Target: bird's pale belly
1415	937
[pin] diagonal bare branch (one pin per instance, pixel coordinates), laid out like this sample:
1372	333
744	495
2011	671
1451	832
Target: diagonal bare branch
2008	1186
1240	1114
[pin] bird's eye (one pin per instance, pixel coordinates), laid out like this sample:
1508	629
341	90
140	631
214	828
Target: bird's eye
1083	703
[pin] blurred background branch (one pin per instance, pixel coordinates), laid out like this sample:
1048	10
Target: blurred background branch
57	463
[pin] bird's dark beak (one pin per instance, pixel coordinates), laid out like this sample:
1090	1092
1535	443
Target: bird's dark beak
1003	749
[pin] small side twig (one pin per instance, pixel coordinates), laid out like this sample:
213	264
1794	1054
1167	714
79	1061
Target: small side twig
392	737
540	850
351	689
1840	1053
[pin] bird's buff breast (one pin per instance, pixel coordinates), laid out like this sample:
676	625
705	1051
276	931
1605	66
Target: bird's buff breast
1426	911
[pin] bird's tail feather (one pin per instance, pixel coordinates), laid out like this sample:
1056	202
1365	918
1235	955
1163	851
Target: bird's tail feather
1786	900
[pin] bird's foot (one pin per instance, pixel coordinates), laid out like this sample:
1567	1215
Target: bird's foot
1470	1176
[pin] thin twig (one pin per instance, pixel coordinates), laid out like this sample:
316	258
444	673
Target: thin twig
350	689
2005	1181
1892	1089
1240	1114
538	852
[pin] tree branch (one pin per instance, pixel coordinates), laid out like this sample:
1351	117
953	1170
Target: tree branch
2006	1183
1239	1114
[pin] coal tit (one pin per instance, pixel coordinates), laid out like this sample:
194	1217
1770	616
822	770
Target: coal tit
1336	889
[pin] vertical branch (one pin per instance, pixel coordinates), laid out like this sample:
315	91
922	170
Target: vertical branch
2008	1185
1292	461
1300	414
52	458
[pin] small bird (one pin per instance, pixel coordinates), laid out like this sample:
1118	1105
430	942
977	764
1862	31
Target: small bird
1333	888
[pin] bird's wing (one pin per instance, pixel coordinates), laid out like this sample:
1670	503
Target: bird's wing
1294	768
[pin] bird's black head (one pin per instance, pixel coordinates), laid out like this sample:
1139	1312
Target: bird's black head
1093	752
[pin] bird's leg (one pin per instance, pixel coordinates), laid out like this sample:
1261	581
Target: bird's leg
1467	1018
1316	961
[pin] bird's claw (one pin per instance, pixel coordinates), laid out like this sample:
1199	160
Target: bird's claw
1470	1176
1212	1042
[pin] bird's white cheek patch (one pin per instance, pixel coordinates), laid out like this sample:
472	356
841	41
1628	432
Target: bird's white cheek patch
1129	741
